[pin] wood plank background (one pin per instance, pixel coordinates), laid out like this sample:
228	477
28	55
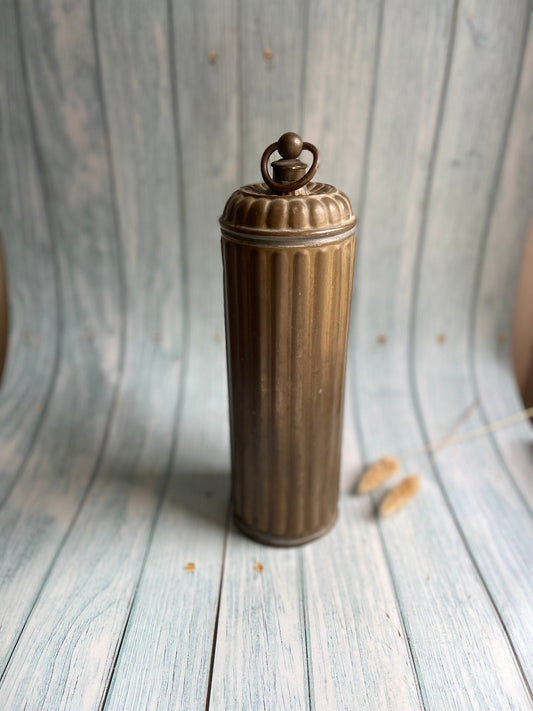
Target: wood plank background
124	127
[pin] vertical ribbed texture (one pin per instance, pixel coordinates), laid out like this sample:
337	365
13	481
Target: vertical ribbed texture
287	315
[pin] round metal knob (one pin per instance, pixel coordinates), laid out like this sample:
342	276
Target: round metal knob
290	145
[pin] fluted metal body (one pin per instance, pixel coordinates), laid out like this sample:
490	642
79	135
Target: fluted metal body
287	315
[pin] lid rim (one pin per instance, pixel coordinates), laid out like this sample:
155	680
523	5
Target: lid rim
233	229
285	240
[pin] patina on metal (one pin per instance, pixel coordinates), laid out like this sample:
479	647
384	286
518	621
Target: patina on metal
288	248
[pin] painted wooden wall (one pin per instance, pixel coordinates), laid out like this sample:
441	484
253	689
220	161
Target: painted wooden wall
124	127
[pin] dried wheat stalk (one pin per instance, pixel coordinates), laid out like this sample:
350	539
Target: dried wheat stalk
377	473
400	495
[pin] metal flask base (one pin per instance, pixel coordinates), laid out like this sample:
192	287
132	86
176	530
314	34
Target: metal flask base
280	541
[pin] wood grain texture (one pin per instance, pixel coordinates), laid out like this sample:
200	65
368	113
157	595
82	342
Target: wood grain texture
350	452
491	516
206	103
358	655
337	94
124	127
498	275
260	657
4	313
166	653
65	109
69	649
30	263
443	604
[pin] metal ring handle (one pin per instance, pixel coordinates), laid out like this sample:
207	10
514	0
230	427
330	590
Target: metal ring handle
296	184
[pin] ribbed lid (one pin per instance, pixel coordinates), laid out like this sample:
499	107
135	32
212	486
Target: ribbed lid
287	207
322	209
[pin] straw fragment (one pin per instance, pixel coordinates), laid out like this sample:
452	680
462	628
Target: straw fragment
396	498
377	473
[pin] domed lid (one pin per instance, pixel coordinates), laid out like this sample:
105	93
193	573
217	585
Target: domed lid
288	204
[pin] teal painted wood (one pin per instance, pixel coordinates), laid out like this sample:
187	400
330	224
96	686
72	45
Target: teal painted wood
350	452
70	141
34	318
491	359
205	76
454	634
136	124
490	514
356	644
272	38
166	653
98	569
260	657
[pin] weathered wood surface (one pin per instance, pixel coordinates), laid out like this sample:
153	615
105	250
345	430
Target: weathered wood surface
491	334
128	478
206	103
64	454
489	513
441	597
123	128
30	255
